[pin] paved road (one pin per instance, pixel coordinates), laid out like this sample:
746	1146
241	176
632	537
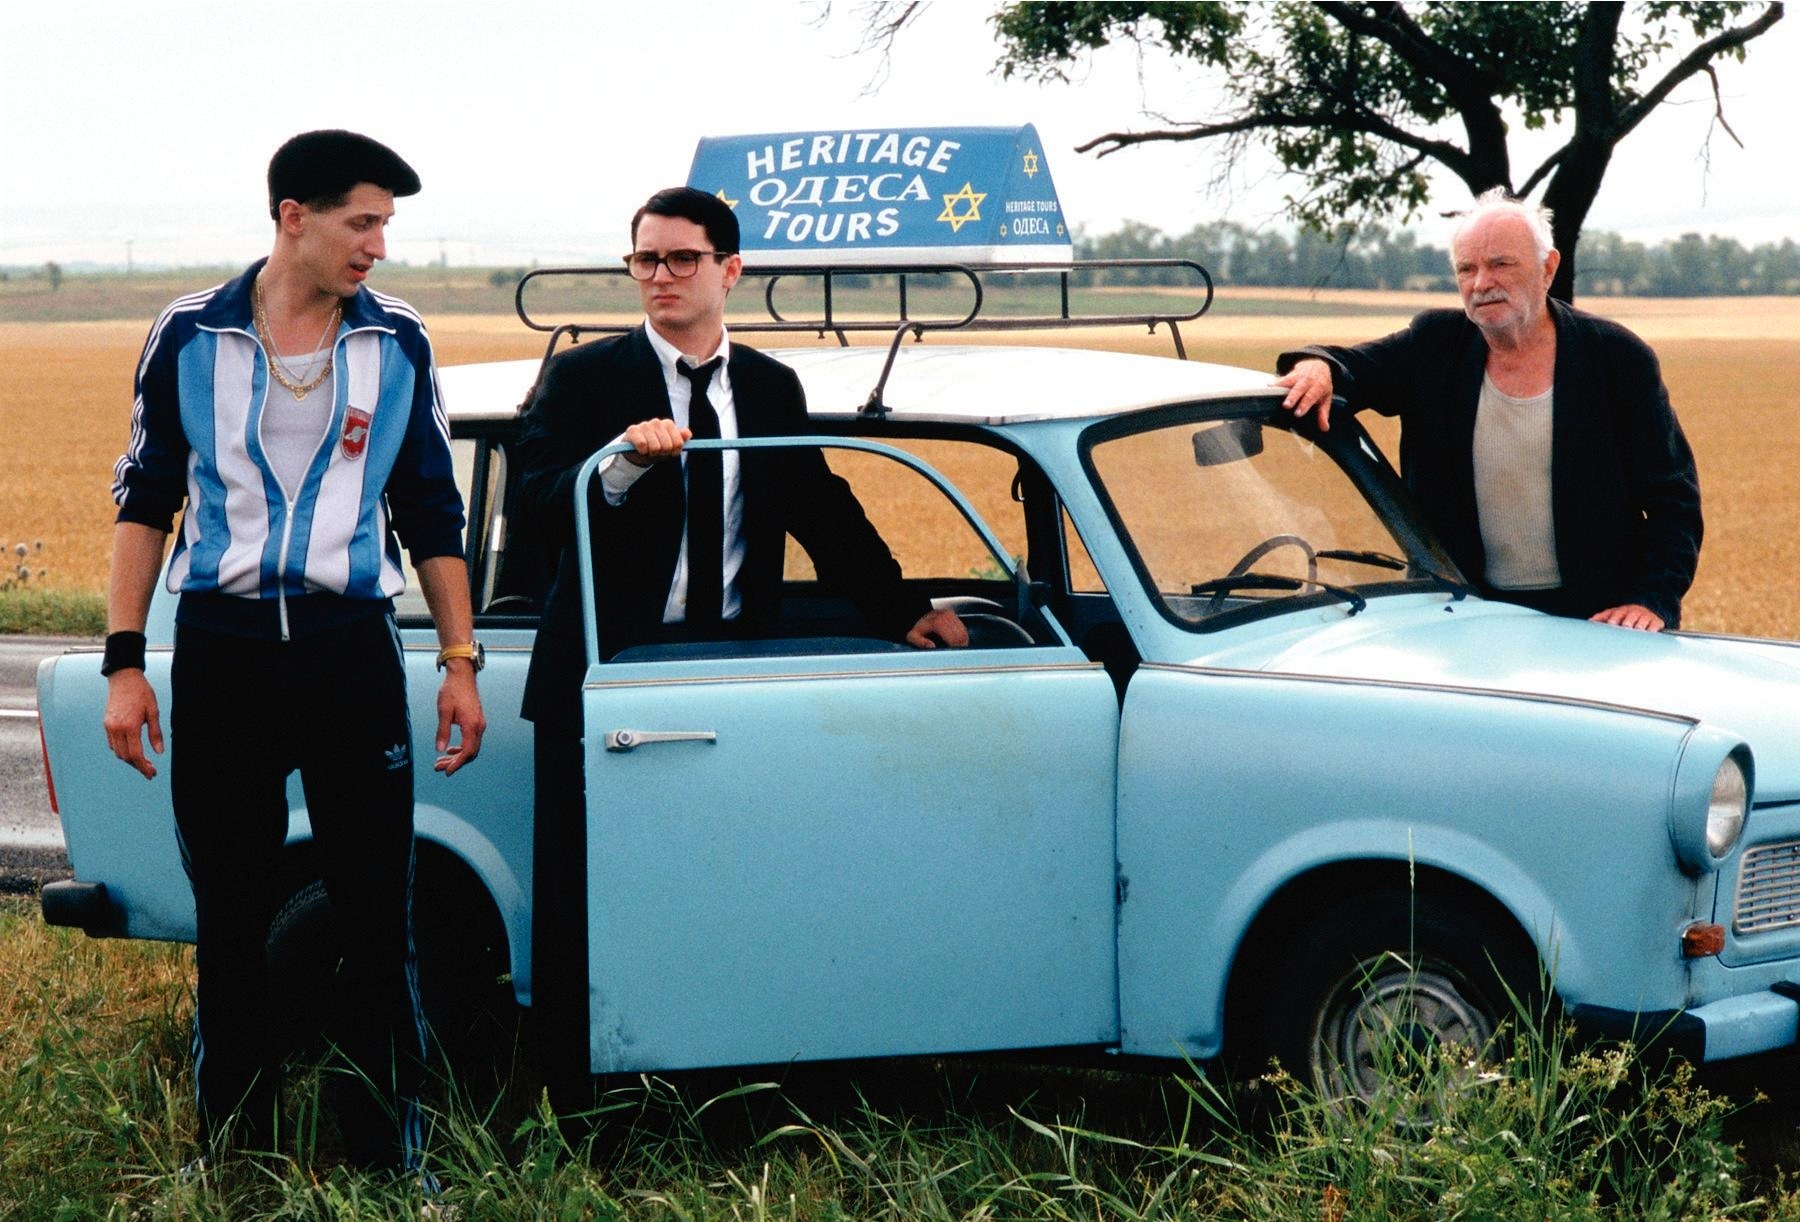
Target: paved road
31	850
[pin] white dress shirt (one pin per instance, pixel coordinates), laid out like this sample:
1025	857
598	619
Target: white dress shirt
617	475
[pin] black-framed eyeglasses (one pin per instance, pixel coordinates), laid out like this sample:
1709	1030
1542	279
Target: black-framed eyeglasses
642	264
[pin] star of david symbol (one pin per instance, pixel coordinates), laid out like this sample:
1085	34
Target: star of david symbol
729	203
968	195
1031	164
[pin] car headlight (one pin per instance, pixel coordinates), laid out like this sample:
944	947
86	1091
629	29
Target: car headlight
1715	784
1730	805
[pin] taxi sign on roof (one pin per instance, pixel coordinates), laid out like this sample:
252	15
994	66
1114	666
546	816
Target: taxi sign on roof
888	195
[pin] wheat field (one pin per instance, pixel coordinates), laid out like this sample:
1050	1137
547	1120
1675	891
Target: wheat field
1732	366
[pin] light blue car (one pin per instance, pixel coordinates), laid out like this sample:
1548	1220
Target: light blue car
1234	764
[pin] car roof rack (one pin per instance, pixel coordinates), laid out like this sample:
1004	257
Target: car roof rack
1069	280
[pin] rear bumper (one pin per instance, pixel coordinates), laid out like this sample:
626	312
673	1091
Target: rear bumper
84	906
1718	1031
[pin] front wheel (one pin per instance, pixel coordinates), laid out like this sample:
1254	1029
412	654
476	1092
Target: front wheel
1378	984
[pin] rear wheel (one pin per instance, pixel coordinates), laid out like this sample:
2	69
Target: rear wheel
1379	984
303	959
463	986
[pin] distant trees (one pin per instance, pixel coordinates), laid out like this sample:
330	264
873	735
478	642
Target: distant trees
1371	258
1690	266
53	271
1378	258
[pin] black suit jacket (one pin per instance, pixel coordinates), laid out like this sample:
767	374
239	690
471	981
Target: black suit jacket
591	394
1625	495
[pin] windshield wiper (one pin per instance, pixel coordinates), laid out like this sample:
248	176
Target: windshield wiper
1218	587
1380	560
1456	589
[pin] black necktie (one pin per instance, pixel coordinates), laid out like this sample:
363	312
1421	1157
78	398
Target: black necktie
705	505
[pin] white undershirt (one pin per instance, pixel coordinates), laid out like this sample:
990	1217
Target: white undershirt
292	429
618	475
1512	489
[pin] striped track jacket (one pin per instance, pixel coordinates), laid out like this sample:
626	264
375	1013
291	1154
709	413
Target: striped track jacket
384	461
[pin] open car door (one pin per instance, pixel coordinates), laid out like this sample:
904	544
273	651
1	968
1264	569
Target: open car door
839	847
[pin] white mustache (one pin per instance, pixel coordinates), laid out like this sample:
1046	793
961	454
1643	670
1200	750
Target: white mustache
1489	297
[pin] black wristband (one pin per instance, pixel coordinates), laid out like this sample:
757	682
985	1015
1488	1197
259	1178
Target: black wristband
124	651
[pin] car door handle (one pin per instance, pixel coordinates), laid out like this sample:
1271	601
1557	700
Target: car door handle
631	740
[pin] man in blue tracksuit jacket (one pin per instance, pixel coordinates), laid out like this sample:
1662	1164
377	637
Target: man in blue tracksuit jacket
295	413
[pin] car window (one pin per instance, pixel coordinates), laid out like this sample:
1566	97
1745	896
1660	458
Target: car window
928	536
1084	575
411	604
1235	516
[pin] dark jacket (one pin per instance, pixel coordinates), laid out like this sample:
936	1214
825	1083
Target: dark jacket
593	393
1625	494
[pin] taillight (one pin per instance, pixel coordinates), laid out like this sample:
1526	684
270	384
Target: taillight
49	782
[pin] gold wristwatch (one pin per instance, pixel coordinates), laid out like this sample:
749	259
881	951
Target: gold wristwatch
473	651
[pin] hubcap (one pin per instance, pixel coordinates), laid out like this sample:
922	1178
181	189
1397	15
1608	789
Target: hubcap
1383	1023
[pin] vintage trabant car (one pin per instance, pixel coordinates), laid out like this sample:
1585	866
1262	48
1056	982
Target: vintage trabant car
1235	761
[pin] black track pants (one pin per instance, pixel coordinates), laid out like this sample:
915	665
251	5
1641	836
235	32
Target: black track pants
244	715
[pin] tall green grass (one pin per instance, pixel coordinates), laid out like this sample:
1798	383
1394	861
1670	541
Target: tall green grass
96	1121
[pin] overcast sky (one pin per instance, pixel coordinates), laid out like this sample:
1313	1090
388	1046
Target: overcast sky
538	127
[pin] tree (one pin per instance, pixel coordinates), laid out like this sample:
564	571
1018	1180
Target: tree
1357	99
1611	265
1684	268
1779	268
53	271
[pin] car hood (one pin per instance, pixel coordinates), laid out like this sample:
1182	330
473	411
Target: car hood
1748	687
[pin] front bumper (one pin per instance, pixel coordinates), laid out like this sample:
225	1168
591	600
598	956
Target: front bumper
1717	1031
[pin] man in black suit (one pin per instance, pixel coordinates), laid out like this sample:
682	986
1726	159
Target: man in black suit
686	546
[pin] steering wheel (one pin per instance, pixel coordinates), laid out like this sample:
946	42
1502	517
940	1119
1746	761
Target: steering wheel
994	631
1272	543
989	626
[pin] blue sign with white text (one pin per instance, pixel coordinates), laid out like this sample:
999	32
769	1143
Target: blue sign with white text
888	195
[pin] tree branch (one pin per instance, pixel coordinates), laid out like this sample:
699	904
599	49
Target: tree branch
882	22
1470	86
1695	61
1719	107
1396	30
1538	175
1455	159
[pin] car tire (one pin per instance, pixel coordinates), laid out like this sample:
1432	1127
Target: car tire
303	960
466	996
1377	980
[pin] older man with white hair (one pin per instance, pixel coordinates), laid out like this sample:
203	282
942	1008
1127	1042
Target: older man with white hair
1537	439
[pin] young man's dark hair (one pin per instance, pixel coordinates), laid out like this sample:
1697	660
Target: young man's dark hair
319	169
691	204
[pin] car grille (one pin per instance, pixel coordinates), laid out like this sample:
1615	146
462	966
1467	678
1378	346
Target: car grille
1768	893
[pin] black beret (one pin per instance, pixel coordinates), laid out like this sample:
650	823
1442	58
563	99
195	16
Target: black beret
315	165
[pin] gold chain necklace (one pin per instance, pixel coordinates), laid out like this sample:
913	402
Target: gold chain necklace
266	338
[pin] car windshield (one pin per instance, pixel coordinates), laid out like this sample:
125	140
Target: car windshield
1231	519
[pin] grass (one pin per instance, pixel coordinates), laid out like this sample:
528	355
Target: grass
96	1121
51	612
